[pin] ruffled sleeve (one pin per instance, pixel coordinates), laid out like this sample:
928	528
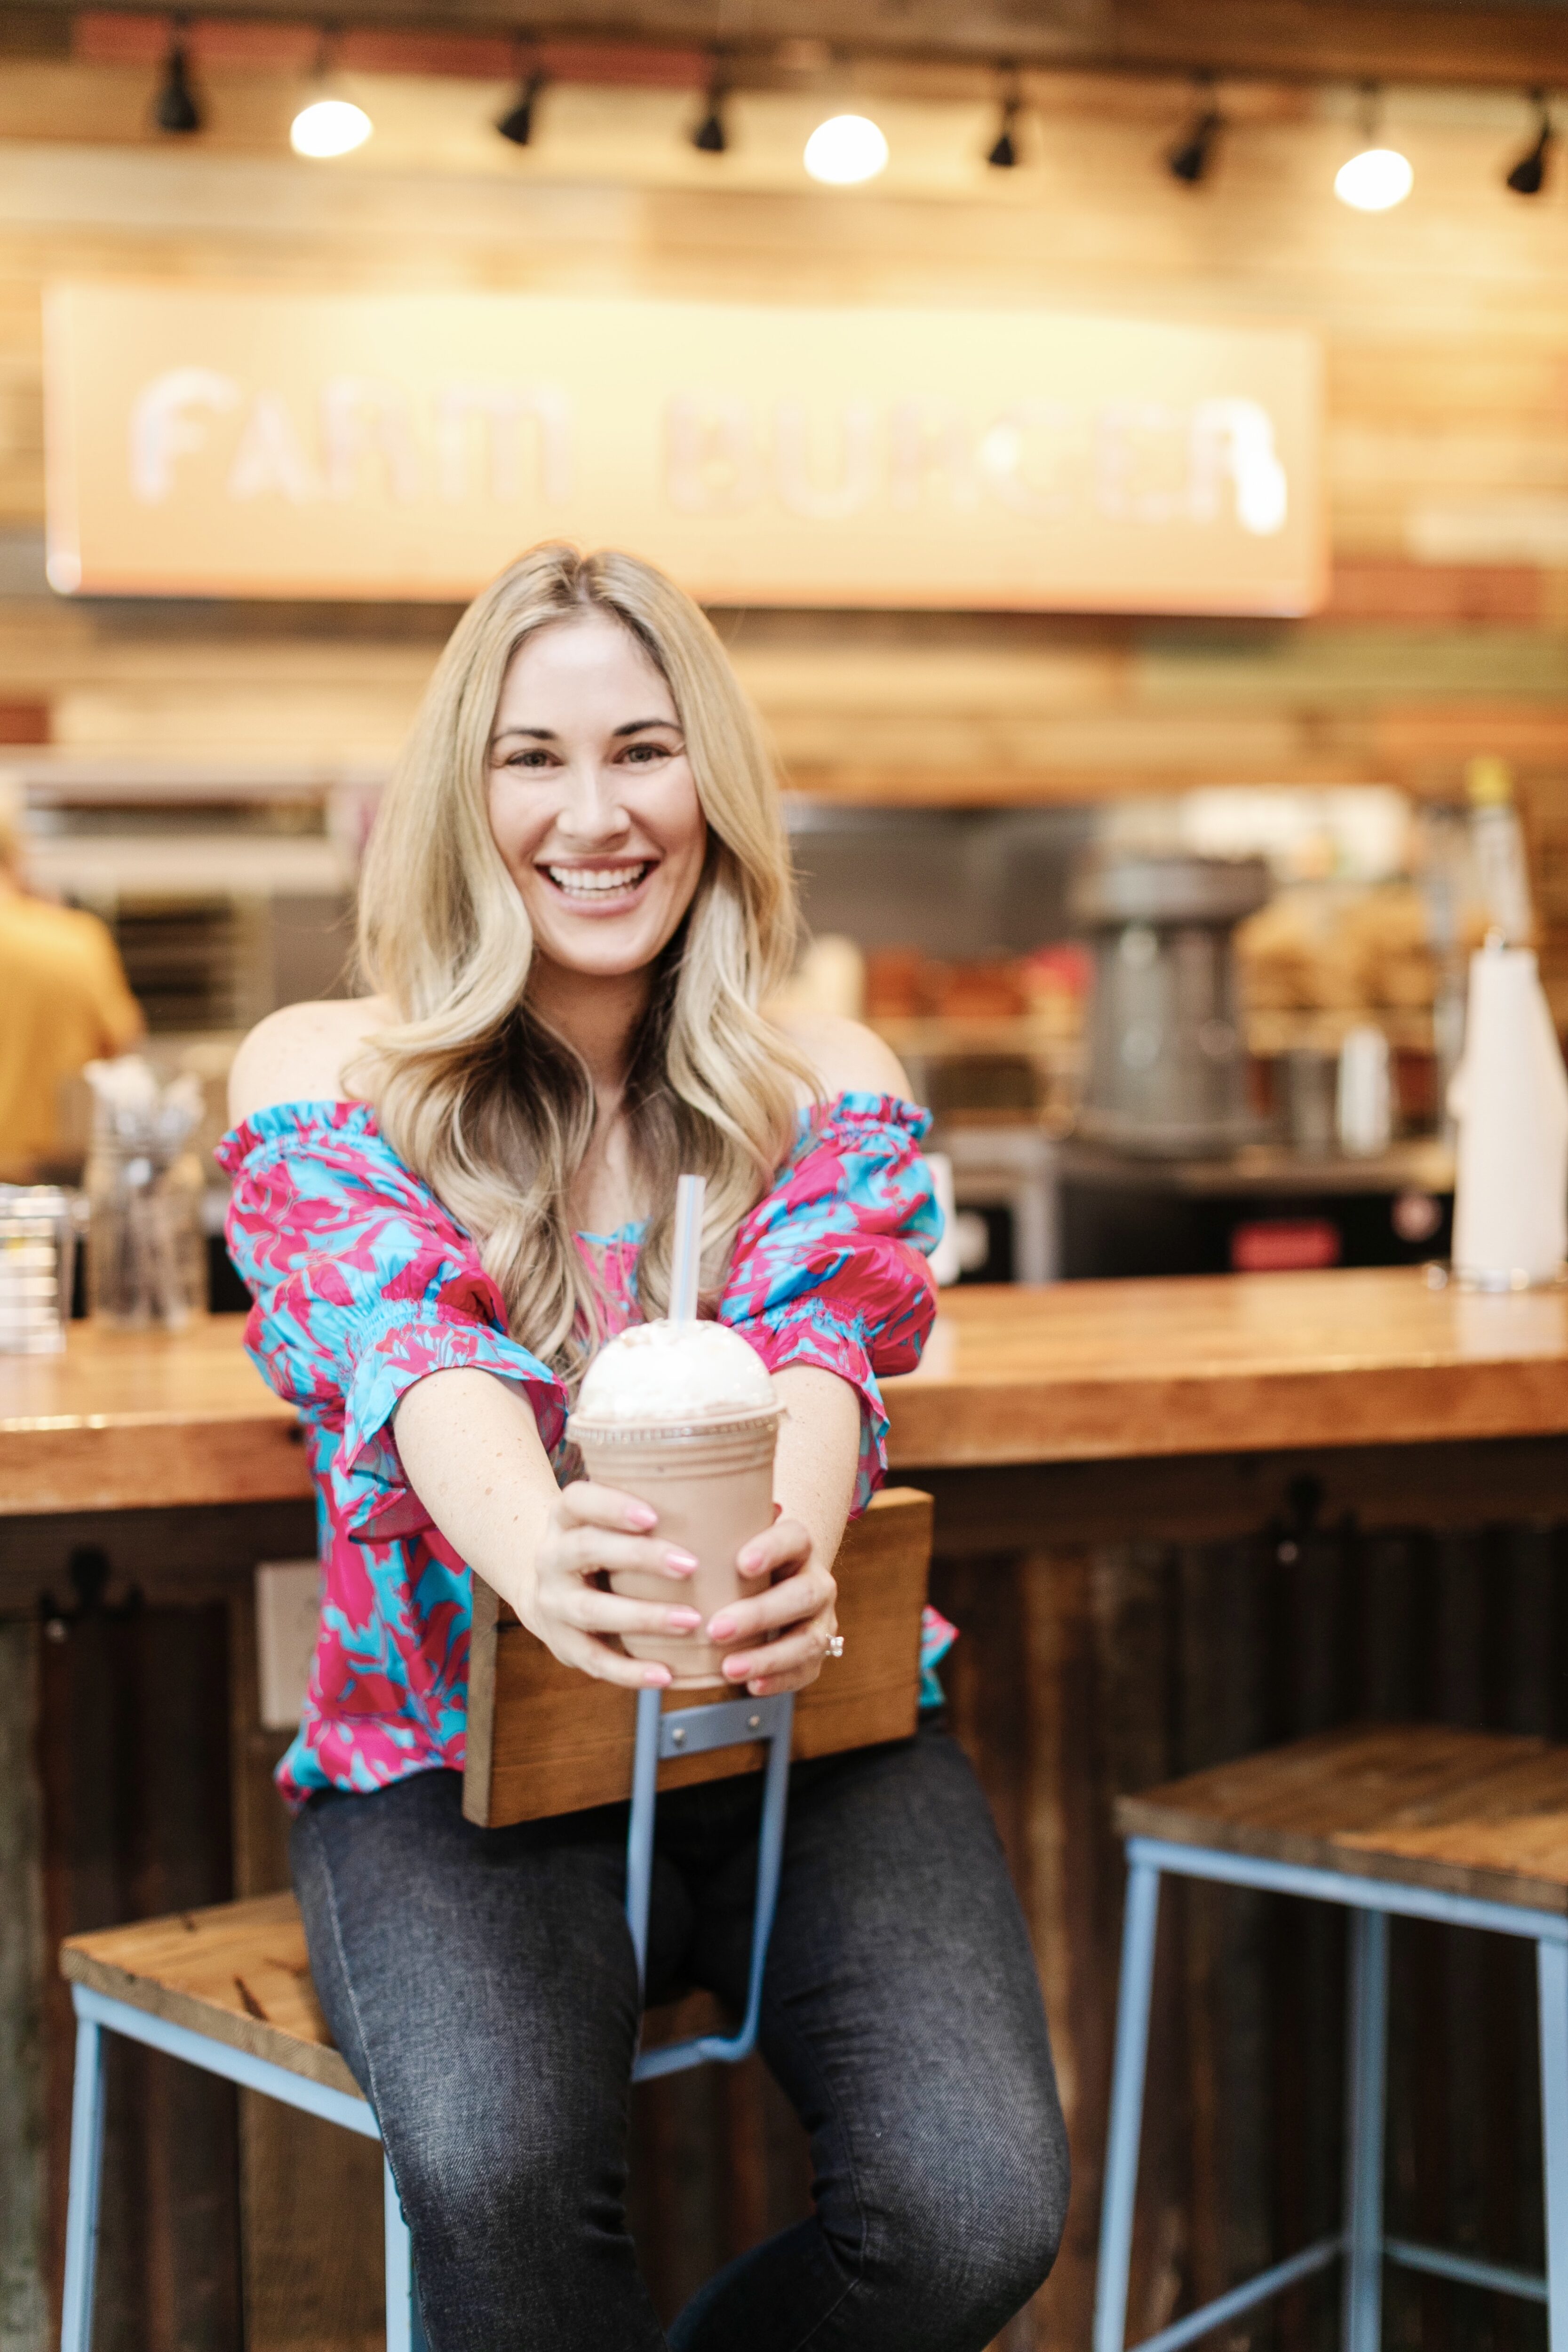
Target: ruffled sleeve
830	1268
363	1283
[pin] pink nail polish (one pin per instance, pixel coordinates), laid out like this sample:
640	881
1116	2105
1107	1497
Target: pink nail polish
684	1620
722	1628
655	1677
735	1670
684	1560
640	1515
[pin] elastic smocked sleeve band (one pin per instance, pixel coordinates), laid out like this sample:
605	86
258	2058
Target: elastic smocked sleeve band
830	1269
362	1285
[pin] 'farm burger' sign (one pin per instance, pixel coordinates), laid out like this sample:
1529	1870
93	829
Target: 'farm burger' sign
248	444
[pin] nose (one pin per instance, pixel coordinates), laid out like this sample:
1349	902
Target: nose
591	814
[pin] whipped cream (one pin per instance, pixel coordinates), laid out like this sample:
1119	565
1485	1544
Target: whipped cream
673	1373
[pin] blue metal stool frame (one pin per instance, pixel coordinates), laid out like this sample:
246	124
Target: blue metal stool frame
1360	2242
689	1731
694	1731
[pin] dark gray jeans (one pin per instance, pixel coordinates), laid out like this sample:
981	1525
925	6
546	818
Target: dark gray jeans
482	1986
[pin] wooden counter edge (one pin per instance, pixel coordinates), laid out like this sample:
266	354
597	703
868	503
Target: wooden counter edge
161	1465
1120	1417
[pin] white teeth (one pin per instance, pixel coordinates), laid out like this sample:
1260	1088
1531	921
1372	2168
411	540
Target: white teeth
594	881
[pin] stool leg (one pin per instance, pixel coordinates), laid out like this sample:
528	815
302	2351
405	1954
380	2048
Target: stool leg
639	1826
1140	1924
1366	2070
404	2331
86	2173
1552	1976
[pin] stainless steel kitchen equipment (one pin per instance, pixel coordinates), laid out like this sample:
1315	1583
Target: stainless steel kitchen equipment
1167	1056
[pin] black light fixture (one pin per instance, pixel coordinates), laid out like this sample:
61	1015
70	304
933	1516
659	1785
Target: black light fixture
1528	176
1004	154
174	109
517	122
1189	160
710	137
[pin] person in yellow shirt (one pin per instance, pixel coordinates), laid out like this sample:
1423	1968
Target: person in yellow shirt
64	1002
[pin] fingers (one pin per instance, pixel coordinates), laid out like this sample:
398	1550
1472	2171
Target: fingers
584	1607
583	1550
607	1665
774	1685
584	1504
786	1543
805	1595
788	1664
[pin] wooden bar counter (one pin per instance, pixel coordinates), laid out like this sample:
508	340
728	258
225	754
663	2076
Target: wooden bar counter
1083	1372
1175	1520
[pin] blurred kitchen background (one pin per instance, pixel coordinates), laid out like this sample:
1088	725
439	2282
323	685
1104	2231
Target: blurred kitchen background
1182	1032
988	808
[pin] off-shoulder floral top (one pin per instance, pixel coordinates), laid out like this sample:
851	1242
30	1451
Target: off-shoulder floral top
363	1284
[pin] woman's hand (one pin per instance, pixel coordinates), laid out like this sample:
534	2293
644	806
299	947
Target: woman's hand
786	1630
593	1528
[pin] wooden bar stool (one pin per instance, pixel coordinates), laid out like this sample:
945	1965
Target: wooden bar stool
228	1990
1416	1821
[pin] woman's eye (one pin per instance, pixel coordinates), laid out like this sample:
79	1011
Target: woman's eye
641	754
532	759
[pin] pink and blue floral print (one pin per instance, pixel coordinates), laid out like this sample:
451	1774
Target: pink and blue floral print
364	1285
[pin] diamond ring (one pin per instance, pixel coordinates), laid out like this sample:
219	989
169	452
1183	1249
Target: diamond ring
835	1646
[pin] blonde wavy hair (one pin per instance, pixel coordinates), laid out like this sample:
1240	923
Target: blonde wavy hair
473	1087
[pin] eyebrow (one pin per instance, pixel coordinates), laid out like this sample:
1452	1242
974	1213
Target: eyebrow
549	735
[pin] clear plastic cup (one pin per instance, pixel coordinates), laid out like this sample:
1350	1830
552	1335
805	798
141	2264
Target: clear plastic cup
711	1483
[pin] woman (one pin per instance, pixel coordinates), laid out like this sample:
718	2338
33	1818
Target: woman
575	902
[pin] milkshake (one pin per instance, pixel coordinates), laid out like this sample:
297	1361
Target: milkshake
684	1416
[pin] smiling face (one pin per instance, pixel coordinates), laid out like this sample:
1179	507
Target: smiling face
593	803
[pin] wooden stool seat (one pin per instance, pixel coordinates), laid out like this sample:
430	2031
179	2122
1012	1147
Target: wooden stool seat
239	1973
1464	1813
1383	1821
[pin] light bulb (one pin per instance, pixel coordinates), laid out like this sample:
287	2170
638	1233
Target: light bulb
330	126
843	149
1374	180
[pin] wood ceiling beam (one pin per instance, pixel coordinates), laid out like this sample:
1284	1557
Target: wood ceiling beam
1293	40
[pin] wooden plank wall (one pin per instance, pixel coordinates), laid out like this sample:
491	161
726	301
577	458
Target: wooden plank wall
1447	386
133	1738
1094	1668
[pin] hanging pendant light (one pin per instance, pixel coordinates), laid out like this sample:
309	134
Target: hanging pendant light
518	121
327	125
1002	155
711	135
1192	153
1528	176
174	109
1376	178
845	150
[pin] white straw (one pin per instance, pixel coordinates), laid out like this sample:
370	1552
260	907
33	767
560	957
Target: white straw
688	1263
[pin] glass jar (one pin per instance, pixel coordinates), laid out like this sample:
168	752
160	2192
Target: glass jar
38	1255
146	1257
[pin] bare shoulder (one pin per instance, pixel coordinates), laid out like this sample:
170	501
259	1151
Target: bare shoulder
298	1055
844	1056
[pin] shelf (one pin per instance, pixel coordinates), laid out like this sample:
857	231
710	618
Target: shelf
1407	1028
956	1038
